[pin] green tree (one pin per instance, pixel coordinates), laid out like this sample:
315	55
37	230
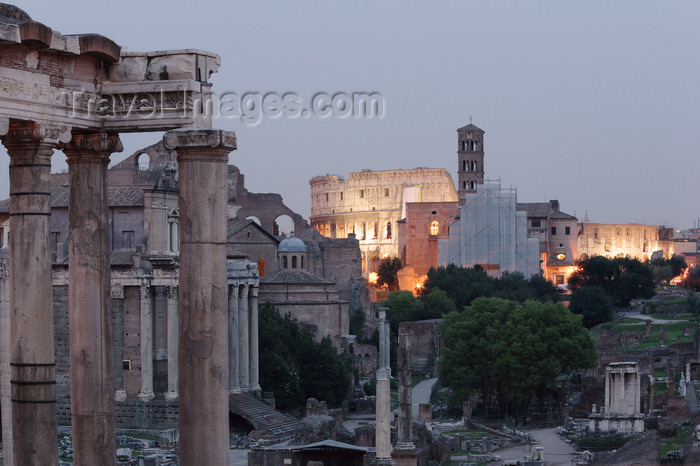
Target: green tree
509	351
593	304
402	307
693	278
357	323
437	304
693	305
294	366
386	275
622	278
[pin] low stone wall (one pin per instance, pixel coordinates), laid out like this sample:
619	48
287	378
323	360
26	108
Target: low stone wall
133	414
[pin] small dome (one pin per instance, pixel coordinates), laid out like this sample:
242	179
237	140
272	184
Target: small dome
291	244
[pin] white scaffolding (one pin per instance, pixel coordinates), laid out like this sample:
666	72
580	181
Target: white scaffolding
492	233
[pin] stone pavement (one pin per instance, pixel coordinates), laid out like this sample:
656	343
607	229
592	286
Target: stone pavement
421	394
555	450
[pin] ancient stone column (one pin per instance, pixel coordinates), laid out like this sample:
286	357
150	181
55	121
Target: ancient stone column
32	365
383	409
118	307
146	392
405	453
651	393
254	370
203	358
172	344
243	337
89	319
234	364
5	389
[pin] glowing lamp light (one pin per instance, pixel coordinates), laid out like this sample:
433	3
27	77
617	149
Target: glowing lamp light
561	256
373	278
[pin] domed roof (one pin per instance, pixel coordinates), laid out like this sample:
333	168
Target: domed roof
291	244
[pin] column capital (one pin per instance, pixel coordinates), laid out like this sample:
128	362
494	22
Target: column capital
19	136
92	143
244	291
117	292
172	292
203	138
233	291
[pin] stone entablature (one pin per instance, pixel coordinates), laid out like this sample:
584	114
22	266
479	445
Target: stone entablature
87	81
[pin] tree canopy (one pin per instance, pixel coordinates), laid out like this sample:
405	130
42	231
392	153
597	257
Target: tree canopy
593	304
622	278
512	350
294	366
464	284
386	274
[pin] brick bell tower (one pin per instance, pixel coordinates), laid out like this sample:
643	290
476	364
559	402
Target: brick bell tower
470	156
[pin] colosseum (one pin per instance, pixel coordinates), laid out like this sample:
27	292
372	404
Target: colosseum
369	203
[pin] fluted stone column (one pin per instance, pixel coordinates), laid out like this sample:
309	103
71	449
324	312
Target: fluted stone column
383	427
89	319
172	344
203	351
5	390
254	368
32	364
146	343
234	364
243	336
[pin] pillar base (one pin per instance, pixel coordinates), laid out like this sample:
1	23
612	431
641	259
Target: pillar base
235	391
146	396
171	396
120	395
405	454
382	462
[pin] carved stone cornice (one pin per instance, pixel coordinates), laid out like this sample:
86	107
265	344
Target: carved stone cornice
172	293
91	143
200	139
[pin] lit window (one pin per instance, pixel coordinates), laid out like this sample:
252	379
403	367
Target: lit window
388	230
434	228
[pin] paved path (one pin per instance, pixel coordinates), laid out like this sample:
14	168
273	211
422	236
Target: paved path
421	394
555	450
636	314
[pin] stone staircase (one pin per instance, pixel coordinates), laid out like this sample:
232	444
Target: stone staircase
271	426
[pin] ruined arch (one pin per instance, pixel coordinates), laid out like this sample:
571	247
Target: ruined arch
283	225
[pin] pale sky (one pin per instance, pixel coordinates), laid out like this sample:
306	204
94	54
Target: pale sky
594	103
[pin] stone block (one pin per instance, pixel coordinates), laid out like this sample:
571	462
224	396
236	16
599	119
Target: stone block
129	69
170	67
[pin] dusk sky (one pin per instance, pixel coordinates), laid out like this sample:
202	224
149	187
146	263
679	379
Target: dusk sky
595	103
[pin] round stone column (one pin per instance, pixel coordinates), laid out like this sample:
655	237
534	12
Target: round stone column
254	353
32	363
172	344
243	335
234	379
89	318
203	327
